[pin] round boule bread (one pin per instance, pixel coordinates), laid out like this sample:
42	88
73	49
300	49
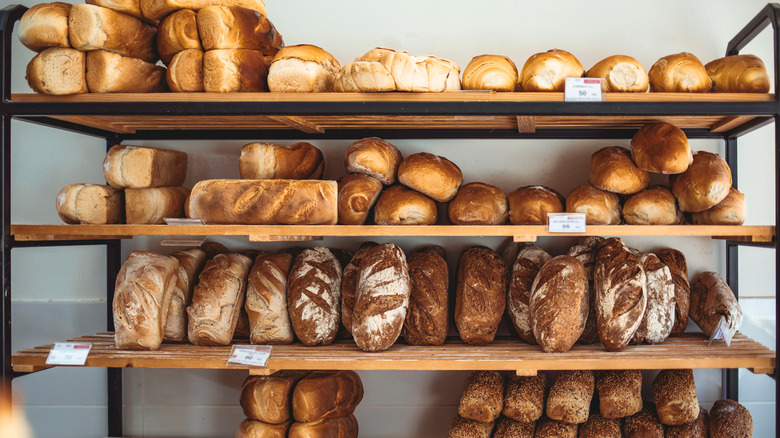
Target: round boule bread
490	72
730	419
621	73
357	194
675	396
400	205
600	427
654	206
662	148
530	205
570	396
680	72
613	170
732	210
302	68
478	204
547	71
706	182
600	207
373	156
431	175
620	393
524	398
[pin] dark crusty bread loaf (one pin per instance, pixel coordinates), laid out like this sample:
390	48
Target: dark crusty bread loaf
90	204
698	428
480	297
349	281
549	428
266	300
675	396
675	261
236	27
326	394
190	264
483	398
570	396
45	25
644	423
269	398
92	27
153	205
177	32
509	428
730	419
314	296
620	393
272	161
585	251
258	429
373	156
58	71
427	318
382	298
465	428
530	259
142	167
525	397
235	70
711	299
658	319
600	427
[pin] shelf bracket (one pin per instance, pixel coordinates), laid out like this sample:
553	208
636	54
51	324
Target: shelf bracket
525	373
261	371
524	238
526	124
299	123
274	238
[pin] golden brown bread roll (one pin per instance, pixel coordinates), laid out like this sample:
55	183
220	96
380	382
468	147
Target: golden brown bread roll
93	27
400	205
675	397
478	204
236	27
373	156
58	71
600	207
704	184
483	398
530	205
729	419
235	70
730	211
430	175
621	73
90	204
653	206
490	72
177	32
738	74
303	68
547	71
272	161
357	194
111	73
661	147
680	72
613	170
45	25
185	72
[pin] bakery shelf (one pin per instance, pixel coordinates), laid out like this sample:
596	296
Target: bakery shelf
687	351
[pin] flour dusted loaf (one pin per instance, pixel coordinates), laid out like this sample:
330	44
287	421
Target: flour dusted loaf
266	299
509	428
142	296
675	397
704	184
620	393
185	72
613	170
600	207
738	74
111	73
728	418
698	428
711	300
258	429
90	204
235	70
675	261
653	206
661	147
349	282
58	71
303	68
93	27
570	396
236	27
525	397
490	72
427	317
644	423
272	161
530	205
530	259
140	167
190	264
600	427
547	71
153	205
478	204
400	205
340	427
480	297
326	394
45	25
585	251
679	73
269	398
430	175
621	73
658	319
483	398
157	9
732	210
177	32
217	299
314	296
374	156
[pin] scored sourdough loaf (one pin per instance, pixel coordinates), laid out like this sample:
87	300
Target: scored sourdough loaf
142	297
480	296
674	392
483	398
303	68
272	161
341	427
680	72
254	429
264	202
530	205
157	9
600	427
490	72
326	394
93	27
357	194
430	175
711	300
58	71
509	428
427	320
90	204
619	393
570	396
45	25
217	299
314	296
644	423
738	74
374	156
661	147
153	205
177	32
190	264
621	73
675	261
525	397
185	72
654	206
658	319
140	167
269	398
478	204
235	27
585	251
547	71
728	418
400	205
613	170
266	300
600	207
349	281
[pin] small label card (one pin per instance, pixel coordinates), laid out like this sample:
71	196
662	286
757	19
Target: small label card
722	331
68	353
191	241
253	355
583	90
566	222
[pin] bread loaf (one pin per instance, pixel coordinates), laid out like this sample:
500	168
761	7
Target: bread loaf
430	175
58	71
382	298
612	169
547	71
93	27
363	77
357	194
600	427
314	296
271	161
142	297
711	300
258	429
339	427
153	205
111	73
681	72
530	205
383	69
480	296
621	73
483	398
570	396
644	423
600	207
185	72
266	300
585	251
190	264
658	319
263	202
730	419
235	70
698	428
269	398
559	304
427	320
738	74
525	398
90	204
303	68
661	147
178	32
675	396
140	167
704	184
620	393
349	281
326	394
478	204
654	206
530	259
399	205
129	7
373	156
465	428
45	25
730	211
490	72
236	27
509	428
549	428
675	261
157	9
242	326
620	282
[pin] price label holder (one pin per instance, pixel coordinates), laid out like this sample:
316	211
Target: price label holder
722	331
583	90
192	241
566	222
252	355
68	353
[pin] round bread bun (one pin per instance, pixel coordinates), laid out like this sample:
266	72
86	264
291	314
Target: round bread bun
431	175
730	211
547	71
600	207
661	147
621	73
730	419
303	69
374	156
400	205
478	204
490	72
738	74
529	205
706	182
681	72
357	194
653	206
613	170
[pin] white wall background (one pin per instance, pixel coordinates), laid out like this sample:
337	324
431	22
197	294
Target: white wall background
59	292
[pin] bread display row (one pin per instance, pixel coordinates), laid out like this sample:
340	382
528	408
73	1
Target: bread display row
601	404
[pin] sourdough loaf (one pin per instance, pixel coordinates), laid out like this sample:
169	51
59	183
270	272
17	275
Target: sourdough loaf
585	251
190	264
266	300
480	296
314	296
349	282
658	319
711	300
427	318
675	261
90	204
58	71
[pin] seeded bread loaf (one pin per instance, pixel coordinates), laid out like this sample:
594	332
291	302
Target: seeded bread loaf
620	393
483	398
570	396
525	398
675	396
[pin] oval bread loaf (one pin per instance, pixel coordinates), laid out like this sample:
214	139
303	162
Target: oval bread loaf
480	297
530	259
314	296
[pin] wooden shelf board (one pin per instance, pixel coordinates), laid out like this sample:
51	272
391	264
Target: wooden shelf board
687	351
749	233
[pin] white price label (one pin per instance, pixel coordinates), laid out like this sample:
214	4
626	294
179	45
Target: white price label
68	353
721	331
583	90
253	355
566	222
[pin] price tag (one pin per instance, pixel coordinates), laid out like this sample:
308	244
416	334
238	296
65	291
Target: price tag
721	331
583	90
252	355
68	353
191	241
566	222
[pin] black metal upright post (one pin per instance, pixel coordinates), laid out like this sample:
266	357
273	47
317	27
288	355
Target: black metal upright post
5	217
731	375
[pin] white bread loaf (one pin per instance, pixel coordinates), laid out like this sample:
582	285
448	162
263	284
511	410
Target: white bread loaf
530	259
235	70
658	319
157	9
235	27
363	77
90	204
143	167
271	161
153	205
185	72
45	25
269	398
266	300
142	297
129	7
190	264
303	69
326	394
314	296
177	32
58	71
93	27
111	73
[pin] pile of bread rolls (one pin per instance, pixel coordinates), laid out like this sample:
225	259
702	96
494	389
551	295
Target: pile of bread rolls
593	405
300	404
